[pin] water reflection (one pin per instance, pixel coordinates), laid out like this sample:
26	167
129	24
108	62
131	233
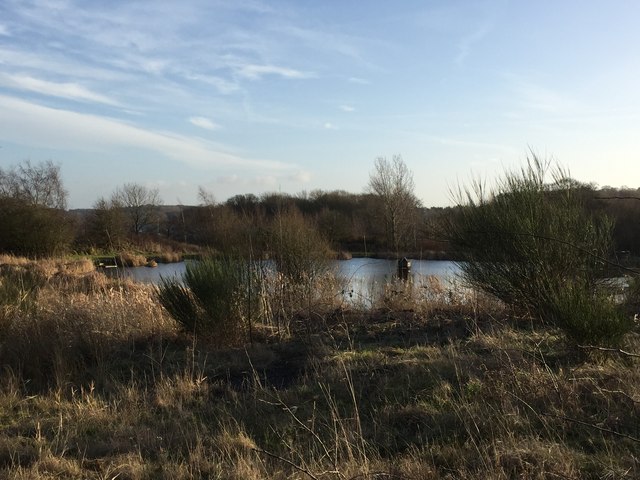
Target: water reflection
357	271
366	278
379	270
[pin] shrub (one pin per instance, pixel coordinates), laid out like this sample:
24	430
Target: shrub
300	253
533	245
588	316
216	298
33	230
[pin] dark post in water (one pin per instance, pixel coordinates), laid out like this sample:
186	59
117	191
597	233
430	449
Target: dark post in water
404	268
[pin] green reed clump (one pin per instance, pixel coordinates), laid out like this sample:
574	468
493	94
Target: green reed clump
532	244
216	298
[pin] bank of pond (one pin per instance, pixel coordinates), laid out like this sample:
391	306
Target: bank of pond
360	277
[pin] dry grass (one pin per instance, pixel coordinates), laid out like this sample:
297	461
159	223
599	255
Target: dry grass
159	250
131	259
6	259
168	257
48	267
98	383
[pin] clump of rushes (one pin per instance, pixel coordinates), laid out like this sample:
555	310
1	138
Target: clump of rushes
21	278
217	298
131	259
18	286
532	244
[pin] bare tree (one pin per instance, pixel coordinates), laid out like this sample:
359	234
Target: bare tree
39	184
32	216
206	197
393	183
139	203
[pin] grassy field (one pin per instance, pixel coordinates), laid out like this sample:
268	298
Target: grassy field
99	382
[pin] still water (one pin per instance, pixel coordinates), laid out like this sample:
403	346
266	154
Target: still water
354	271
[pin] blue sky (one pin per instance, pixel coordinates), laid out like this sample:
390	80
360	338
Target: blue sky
251	96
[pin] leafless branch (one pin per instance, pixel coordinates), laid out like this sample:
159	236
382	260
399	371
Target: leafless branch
563	242
591	425
288	462
612	350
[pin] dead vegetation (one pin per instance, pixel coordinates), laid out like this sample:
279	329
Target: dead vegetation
426	382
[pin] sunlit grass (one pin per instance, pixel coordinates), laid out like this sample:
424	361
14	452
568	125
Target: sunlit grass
99	382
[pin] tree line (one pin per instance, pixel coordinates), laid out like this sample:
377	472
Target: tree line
386	219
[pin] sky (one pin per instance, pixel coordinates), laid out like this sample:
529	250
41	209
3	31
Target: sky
252	96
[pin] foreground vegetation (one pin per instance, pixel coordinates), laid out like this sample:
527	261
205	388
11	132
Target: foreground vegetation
431	382
247	370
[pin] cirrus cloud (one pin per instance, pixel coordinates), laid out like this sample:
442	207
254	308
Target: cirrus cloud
40	126
254	72
204	122
68	90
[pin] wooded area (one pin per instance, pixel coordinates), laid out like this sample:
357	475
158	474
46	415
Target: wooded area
35	221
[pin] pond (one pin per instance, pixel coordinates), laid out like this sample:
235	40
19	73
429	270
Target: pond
354	271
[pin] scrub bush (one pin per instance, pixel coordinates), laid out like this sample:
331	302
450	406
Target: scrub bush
216	298
533	245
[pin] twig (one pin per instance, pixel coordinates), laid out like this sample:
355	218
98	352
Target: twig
288	462
580	422
573	420
293	415
620	392
613	350
563	242
587	424
376	475
306	427
550	432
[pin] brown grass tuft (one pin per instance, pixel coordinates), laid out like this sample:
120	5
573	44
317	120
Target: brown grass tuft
98	382
131	259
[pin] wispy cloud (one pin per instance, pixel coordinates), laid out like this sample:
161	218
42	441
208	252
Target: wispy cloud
258	71
204	122
4	30
330	126
222	86
68	90
53	63
347	108
468	41
332	41
39	126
